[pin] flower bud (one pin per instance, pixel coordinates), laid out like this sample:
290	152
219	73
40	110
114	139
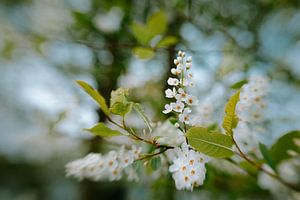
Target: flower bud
176	62
189	59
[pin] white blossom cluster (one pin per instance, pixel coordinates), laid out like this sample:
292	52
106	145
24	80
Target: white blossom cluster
252	100
111	166
188	167
179	89
250	112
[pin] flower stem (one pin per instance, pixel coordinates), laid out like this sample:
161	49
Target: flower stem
135	136
152	155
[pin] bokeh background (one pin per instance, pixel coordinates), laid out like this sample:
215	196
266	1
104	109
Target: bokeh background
47	44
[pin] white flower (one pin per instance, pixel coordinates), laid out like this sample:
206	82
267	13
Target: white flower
91	166
191	100
136	151
115	175
188	66
75	169
185	117
170	93
176	71
188	168
94	166
179	67
168	109
288	170
176	62
252	99
178	106
181	96
179	53
111	166
184	82
111	160
125	158
177	125
173	81
179	59
250	112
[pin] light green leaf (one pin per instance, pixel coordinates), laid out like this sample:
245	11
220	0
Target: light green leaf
121	108
143	52
157	23
167	41
230	119
138	108
102	130
119	105
239	84
211	143
119	96
141	33
287	143
95	95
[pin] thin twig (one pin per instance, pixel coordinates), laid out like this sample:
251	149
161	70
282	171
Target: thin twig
152	155
261	168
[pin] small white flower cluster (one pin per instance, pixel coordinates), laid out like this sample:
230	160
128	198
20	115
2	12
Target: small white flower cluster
178	92
98	167
188	167
252	100
250	112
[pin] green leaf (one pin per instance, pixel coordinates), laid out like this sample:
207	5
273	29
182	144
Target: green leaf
239	84
167	41
285	144
157	23
95	95
143	52
211	143
141	33
173	120
213	127
102	130
156	163
119	105
266	154
119	96
230	119
138	108
121	108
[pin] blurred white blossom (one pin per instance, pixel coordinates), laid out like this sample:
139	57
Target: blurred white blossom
110	167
